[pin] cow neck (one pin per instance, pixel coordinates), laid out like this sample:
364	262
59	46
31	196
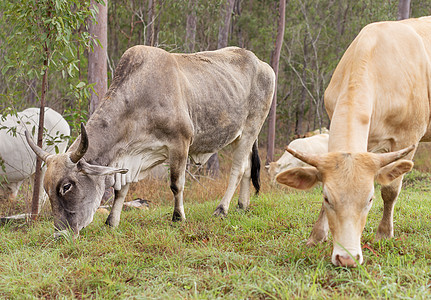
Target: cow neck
350	125
103	143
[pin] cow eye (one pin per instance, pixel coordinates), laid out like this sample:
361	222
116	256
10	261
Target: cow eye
65	188
326	199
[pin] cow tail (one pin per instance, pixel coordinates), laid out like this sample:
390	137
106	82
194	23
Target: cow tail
255	167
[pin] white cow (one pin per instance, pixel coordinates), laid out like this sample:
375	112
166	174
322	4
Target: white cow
317	144
18	160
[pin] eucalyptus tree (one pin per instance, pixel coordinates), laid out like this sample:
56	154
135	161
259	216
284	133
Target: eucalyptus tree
44	35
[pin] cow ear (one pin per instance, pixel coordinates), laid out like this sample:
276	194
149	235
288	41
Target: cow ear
89	169
389	173
299	178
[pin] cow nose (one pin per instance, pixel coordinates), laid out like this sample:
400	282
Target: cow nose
346	261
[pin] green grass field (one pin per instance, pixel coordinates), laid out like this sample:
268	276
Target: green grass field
258	254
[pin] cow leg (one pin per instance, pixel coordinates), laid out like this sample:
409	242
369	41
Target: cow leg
319	233
244	188
389	195
240	157
114	217
12	190
177	164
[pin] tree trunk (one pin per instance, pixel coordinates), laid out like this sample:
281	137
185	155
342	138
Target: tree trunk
223	31
37	180
191	27
237	12
213	166
403	9
301	106
275	58
150	23
97	59
98	62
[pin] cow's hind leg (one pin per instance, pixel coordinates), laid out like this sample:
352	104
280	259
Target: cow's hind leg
240	169
244	187
251	173
177	164
114	217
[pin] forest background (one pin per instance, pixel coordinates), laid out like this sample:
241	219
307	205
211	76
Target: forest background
316	34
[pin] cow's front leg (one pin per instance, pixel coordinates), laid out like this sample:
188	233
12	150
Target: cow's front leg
177	164
114	217
389	195
319	233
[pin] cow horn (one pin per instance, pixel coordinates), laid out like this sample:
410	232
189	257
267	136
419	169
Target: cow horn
42	154
387	158
82	148
311	159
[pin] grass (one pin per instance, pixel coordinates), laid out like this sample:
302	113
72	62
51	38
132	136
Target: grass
258	254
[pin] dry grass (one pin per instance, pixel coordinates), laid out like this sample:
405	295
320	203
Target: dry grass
22	204
199	187
423	158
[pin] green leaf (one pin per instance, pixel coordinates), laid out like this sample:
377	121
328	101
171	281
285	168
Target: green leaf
80	85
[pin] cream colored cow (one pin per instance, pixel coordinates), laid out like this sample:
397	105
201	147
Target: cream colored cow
317	144
378	101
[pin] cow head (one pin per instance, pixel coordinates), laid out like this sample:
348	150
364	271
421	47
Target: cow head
348	191
75	187
273	169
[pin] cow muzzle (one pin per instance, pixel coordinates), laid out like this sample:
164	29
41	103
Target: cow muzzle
343	261
349	259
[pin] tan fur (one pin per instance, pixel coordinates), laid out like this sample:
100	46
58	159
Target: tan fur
378	100
317	143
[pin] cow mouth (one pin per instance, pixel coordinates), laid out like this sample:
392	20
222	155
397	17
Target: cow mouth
346	261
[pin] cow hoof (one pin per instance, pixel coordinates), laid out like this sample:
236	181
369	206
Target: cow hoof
383	236
242	206
313	240
110	222
176	217
220	212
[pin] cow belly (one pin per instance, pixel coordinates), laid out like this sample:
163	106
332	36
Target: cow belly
204	144
201	158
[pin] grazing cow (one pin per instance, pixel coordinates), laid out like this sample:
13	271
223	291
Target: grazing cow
378	101
317	144
163	106
311	133
17	157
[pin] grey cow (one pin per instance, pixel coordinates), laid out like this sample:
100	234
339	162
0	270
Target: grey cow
163	106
